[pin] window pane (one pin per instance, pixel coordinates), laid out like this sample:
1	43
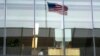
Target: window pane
20	13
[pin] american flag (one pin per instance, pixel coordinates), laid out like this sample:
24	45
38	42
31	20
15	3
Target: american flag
53	7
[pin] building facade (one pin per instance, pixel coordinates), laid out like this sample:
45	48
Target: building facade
73	34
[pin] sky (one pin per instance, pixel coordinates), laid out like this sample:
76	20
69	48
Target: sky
20	13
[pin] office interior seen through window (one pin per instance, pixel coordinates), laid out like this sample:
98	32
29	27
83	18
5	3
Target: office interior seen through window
49	28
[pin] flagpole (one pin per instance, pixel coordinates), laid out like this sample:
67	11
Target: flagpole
46	13
92	14
33	38
64	49
5	31
34	24
21	51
